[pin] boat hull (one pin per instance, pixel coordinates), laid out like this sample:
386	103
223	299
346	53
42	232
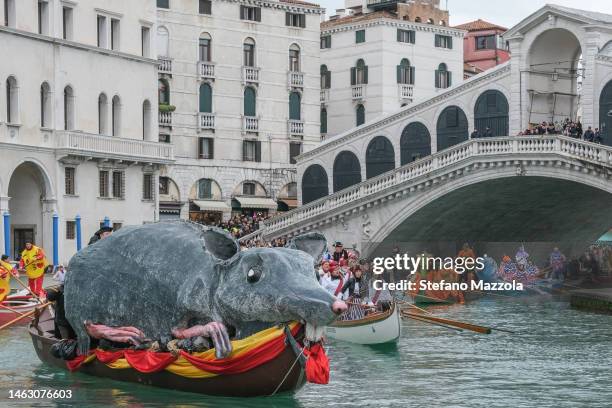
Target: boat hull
21	306
377	329
263	380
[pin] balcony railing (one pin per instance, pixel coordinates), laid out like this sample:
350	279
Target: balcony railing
324	95
165	118
250	74
164	65
296	79
295	127
206	69
109	147
250	123
406	92
206	120
358	91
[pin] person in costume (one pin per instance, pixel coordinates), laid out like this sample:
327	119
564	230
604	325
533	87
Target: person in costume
467	252
34	263
557	264
6	269
334	282
339	252
354	290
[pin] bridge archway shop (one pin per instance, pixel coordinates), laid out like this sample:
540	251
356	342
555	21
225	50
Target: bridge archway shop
491	111
314	184
380	157
452	127
347	170
415	143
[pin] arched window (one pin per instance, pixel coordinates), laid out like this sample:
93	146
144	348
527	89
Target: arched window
314	184
250	102
12	100
359	73
492	112
443	77
205	47
347	171
360	115
163	90
146	120
452	127
380	157
294	106
405	72
68	108
116	119
103	114
205	98
294	58
249	52
323	121
163	40
45	105
415	143
325	77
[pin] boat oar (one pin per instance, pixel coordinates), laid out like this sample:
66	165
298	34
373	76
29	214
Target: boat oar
28	314
11	309
28	288
462	325
432	323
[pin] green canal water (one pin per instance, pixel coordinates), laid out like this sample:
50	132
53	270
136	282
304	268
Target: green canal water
558	357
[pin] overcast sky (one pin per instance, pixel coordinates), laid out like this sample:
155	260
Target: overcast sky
503	12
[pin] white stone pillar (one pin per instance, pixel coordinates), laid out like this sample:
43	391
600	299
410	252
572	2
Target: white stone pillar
589	88
49	207
518	97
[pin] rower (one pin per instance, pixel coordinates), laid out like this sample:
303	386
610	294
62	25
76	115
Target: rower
6	269
34	263
62	327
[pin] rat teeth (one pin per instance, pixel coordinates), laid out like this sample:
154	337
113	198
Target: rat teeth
314	333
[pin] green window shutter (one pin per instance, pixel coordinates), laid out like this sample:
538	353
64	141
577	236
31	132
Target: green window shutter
329	37
244	150
242	12
365	74
437	40
360	115
294	106
399	74
250	107
205	98
328	78
412	37
258	14
323	120
412	72
399	35
287	19
303	20
258	151
450	43
353	76
437	78
211	147
450	79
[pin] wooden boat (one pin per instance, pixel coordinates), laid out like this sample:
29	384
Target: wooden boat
18	307
375	328
285	373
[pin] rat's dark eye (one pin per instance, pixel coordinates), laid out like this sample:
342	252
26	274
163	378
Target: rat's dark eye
253	275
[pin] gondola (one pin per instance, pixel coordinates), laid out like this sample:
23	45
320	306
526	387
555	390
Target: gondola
282	374
374	328
12	308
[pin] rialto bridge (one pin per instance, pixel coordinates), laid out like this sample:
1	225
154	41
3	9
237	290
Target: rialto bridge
415	175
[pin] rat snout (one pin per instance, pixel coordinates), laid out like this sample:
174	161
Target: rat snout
339	307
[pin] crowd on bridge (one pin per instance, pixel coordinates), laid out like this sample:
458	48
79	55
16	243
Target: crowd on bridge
567	128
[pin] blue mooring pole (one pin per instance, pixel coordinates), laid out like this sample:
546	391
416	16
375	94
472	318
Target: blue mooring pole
7	233
77	221
106	222
55	239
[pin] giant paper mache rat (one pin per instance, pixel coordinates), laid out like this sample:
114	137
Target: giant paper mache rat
186	280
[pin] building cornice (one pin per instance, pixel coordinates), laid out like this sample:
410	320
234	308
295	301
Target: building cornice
75	45
385	21
290	7
368	128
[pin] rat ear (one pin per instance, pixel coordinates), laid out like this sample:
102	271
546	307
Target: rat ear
220	243
313	243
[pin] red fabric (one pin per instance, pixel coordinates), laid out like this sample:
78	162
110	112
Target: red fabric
108	357
317	364
339	288
75	363
36	285
256	357
147	361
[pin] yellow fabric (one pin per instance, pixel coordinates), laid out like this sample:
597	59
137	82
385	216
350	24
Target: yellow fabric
5	286
184	368
32	262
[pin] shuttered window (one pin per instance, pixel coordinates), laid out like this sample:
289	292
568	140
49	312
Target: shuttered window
295	20
205	98
205	189
323	121
360	115
118	184
405	73
69	173
295	149
250	102
250	13
325	77
405	36
205	7
206	148
359	73
103	183
444	41
294	106
148	187
251	150
360	36
326	41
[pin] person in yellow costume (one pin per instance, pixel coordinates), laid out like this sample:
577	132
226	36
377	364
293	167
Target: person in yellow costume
6	269
34	263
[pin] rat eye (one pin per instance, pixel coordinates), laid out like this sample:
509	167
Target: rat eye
253	275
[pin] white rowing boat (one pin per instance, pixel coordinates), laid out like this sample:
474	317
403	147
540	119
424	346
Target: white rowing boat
375	328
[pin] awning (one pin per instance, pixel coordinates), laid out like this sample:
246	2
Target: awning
210	205
257	202
291	202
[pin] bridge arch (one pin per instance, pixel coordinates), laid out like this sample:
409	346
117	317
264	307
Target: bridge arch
347	170
492	111
314	183
415	143
452	127
605	113
379	157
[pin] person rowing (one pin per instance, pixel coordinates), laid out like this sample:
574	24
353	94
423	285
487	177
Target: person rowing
6	269
34	263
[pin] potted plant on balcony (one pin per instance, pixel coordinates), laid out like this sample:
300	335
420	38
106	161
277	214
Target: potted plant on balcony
166	107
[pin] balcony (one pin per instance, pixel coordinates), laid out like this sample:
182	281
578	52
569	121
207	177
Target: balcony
406	92
296	79
206	120
109	147
324	95
358	92
250	74
206	70
165	119
164	65
295	127
250	124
